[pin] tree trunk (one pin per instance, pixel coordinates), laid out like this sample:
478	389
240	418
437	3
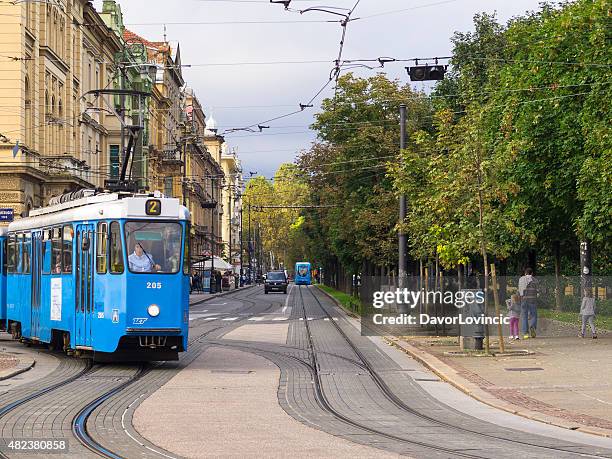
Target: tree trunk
483	249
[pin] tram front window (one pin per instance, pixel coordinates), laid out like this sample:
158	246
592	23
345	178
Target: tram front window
154	247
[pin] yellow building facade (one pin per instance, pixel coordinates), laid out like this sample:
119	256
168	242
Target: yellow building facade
52	135
214	143
203	180
232	205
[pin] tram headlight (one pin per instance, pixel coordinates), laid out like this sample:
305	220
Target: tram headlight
153	310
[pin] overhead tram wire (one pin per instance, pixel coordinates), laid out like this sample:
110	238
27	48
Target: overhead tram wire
334	74
374	123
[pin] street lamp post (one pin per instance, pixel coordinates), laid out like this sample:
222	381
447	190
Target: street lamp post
403	239
212	231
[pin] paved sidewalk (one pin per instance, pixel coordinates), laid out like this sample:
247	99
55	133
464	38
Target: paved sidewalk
14	363
225	404
564	381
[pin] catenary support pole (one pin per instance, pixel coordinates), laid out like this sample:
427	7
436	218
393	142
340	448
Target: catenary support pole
402	208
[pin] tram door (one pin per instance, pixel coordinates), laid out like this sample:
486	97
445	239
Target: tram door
84	284
36	265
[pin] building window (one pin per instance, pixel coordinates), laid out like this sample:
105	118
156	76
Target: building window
168	186
114	161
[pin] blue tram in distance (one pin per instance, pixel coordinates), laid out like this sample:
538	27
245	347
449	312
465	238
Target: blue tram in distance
102	275
302	273
3	233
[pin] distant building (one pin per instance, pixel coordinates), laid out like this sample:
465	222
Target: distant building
214	143
232	205
203	181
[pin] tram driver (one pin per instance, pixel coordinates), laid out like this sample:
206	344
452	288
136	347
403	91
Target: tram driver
142	262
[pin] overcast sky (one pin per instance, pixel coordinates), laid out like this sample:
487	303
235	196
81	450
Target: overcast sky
239	94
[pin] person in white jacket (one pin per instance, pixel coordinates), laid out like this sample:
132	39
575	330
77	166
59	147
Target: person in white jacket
587	312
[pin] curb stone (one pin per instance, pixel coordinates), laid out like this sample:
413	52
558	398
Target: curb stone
25	364
217	295
450	375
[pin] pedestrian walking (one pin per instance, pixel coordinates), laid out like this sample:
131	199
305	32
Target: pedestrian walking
587	313
528	290
514	312
197	282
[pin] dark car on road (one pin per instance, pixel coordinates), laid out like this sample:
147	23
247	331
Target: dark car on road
275	282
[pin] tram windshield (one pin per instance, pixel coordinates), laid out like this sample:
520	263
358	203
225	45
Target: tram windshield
154	247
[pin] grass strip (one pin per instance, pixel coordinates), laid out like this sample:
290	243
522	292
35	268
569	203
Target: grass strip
601	322
348	302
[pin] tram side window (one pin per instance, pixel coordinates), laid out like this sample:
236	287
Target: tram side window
4	245
25	252
10	255
67	248
18	253
56	251
101	248
116	252
186	251
46	263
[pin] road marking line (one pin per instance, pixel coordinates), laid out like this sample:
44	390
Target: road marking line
336	319
281	318
326	319
211	318
301	318
229	319
132	437
216	304
287	299
256	319
595	398
310	318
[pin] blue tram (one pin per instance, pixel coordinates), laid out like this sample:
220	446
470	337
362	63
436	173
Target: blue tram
3	232
302	273
102	275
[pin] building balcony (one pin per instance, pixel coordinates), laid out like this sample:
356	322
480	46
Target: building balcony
171	158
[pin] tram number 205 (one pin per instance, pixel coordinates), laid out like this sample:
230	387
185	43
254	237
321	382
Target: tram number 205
156	285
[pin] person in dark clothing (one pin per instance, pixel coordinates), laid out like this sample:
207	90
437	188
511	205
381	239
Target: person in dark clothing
528	291
197	282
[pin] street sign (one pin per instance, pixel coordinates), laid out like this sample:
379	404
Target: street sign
7	215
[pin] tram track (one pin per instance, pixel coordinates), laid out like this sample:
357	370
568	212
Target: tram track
399	403
135	391
79	422
84	368
324	403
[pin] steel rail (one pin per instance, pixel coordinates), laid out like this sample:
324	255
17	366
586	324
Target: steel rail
79	422
39	393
